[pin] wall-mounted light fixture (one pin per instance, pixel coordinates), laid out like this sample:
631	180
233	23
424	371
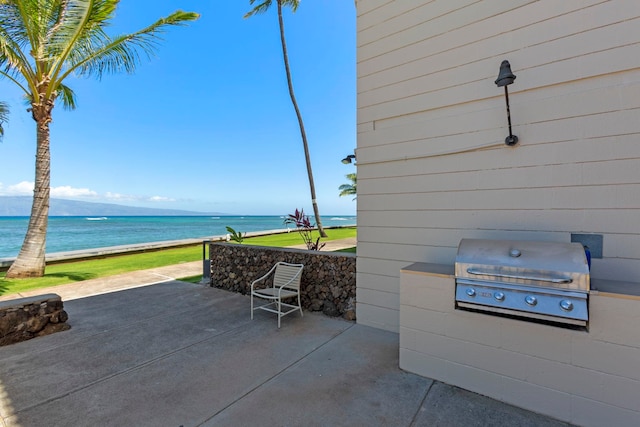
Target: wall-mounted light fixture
505	78
349	159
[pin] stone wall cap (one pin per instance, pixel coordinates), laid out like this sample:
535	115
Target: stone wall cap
286	249
20	302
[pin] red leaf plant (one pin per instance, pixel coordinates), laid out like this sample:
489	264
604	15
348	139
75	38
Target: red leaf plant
305	228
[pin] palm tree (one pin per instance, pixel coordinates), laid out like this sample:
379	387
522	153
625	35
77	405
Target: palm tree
42	42
349	189
262	8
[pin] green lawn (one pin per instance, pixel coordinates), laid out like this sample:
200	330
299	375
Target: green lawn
75	271
293	238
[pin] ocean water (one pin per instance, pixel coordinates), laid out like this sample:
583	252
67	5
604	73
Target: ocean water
70	233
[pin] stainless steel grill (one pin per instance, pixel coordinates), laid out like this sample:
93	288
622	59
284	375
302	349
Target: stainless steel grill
546	281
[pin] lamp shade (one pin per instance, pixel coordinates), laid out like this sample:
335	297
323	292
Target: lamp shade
349	159
506	77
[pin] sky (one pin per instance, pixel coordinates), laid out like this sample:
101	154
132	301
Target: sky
207	124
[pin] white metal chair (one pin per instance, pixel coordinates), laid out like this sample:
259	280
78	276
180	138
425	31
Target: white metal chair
286	285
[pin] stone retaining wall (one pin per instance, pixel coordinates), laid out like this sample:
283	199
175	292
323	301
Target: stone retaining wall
25	318
328	279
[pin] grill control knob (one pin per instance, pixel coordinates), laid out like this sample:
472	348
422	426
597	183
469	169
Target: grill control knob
531	300
499	296
471	292
566	305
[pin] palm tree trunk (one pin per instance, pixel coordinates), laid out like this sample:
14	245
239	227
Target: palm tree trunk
300	123
31	259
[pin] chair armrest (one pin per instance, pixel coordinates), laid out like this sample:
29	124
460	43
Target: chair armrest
263	277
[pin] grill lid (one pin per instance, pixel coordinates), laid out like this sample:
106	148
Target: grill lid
547	264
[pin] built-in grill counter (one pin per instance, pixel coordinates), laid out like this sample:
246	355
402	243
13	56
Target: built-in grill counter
540	281
501	343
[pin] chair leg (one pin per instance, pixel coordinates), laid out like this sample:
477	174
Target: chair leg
300	305
251	306
279	311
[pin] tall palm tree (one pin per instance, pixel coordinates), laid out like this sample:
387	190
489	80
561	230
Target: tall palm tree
349	189
293	4
42	42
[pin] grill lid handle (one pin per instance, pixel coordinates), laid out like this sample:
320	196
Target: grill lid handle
479	272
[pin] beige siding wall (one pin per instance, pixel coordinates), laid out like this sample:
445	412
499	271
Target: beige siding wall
432	164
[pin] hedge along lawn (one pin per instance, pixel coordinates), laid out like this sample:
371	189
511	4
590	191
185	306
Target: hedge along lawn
76	271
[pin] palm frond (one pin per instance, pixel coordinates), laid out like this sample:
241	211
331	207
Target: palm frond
266	4
13	40
77	22
98	55
66	25
11	22
293	4
259	9
4	116
349	189
67	96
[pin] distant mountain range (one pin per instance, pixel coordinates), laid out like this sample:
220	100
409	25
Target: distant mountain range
21	206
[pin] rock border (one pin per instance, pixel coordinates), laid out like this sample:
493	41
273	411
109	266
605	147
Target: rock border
24	318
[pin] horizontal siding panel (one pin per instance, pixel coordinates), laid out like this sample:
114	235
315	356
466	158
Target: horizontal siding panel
575	100
598	197
377	282
611	172
538	107
400	17
441	18
539	33
403	255
621	246
378	298
505	178
372	12
445	237
475	200
626	196
378	317
472	146
365	127
602	221
580	45
445	145
587	66
380	266
563	152
374	24
623	269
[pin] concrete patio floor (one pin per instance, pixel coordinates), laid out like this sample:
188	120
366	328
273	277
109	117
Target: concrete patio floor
182	354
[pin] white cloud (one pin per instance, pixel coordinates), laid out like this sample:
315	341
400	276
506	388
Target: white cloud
23	188
117	196
68	191
161	199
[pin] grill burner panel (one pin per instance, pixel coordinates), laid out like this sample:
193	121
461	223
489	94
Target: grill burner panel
524	301
541	280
